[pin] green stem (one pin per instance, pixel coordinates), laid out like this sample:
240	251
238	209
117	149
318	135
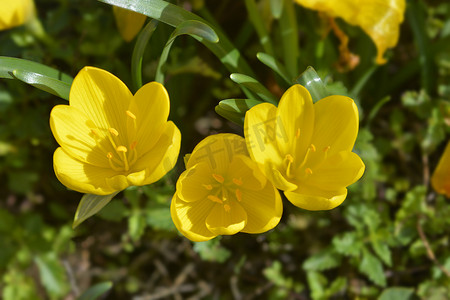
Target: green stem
289	37
260	27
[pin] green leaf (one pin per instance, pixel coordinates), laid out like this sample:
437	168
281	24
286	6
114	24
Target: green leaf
174	15
235	109
382	250
255	86
397	293
138	53
259	24
317	283
212	250
52	274
323	260
313	83
276	7
158	217
196	29
289	37
372	267
136	225
275	65
38	75
94	292
348	244
89	206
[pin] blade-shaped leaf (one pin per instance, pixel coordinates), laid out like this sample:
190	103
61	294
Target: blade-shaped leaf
174	15
94	292
255	86
276	8
36	74
196	29
312	82
289	37
259	25
275	65
235	109
138	53
89	206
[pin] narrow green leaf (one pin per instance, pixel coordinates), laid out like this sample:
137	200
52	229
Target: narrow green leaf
45	83
52	274
372	268
235	109
94	292
323	260
196	29
289	37
276	7
382	250
397	293
254	86
275	65
89	206
36	74
312	82
363	80
260	26
174	15
138	53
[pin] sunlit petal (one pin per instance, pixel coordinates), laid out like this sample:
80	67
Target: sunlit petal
231	220
15	13
312	198
440	179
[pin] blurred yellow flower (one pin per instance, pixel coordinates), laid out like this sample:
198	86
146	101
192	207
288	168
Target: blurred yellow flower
128	22
111	139
441	176
380	19
14	13
222	192
305	148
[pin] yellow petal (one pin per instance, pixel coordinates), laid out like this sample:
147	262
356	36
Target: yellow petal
279	180
260	128
14	13
103	98
244	169
161	159
72	132
190	218
295	120
337	171
128	22
217	150
336	124
86	178
226	220
151	107
264	209
195	183
312	198
380	19
440	180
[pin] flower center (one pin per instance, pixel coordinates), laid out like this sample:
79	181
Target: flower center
312	160
224	191
123	156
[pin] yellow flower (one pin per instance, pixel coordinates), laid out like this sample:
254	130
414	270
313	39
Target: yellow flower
128	22
14	13
111	139
222	192
441	176
380	19
305	148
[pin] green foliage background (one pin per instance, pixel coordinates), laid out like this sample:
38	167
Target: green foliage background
388	240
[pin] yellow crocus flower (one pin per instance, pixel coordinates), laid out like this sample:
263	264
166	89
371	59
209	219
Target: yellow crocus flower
441	176
305	148
380	19
128	22
111	139
14	13
222	192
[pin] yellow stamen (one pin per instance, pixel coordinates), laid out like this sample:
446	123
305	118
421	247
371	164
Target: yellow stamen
237	181
121	149
109	155
308	171
131	115
208	187
326	148
95	132
113	131
297	134
227	208
290	161
239	195
313	148
133	145
218	178
215	199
